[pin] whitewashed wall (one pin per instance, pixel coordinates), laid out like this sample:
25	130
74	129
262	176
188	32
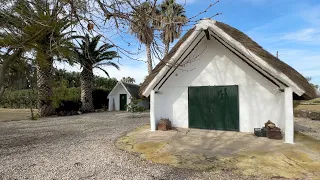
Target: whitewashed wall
116	97
259	99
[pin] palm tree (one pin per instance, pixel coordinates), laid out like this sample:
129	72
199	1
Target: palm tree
142	27
90	56
172	19
128	79
41	27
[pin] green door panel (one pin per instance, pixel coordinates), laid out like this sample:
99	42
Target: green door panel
123	102
214	107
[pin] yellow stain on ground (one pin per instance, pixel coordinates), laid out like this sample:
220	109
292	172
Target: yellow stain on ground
286	163
301	160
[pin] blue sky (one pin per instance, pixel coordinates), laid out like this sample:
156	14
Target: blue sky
291	27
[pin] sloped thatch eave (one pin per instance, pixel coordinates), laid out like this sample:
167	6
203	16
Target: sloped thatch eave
276	63
164	62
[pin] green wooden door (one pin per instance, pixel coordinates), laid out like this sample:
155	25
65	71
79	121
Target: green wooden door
214	107
123	102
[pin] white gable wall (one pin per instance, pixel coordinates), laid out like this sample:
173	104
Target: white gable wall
211	64
115	96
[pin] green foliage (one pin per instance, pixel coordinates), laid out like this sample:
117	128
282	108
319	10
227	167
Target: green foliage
315	86
63	93
89	55
34	116
296	103
100	98
19	99
106	83
134	107
72	78
128	79
62	98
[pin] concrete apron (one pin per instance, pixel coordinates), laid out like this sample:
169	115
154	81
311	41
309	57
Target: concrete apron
241	152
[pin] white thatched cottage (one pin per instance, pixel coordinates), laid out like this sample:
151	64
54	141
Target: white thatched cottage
216	77
122	94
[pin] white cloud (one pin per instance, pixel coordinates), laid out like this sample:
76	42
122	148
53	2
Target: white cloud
137	70
309	35
311	14
186	1
306	62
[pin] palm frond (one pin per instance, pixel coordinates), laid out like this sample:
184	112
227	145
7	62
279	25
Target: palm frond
103	71
108	63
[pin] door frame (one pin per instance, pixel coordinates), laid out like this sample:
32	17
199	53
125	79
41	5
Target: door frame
238	106
126	101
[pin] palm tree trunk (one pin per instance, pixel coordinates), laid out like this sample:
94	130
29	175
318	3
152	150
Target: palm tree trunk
44	83
166	48
86	80
149	59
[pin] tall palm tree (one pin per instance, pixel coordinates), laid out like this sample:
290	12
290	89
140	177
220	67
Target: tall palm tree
128	79
142	27
173	17
90	56
42	27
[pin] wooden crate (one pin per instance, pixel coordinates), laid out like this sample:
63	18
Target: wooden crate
274	134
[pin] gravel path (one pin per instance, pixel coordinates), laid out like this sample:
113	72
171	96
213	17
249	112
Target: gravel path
80	147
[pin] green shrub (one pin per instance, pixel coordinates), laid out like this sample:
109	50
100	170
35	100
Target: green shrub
134	107
62	98
296	103
100	98
19	99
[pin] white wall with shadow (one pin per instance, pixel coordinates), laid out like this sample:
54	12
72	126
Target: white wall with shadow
211	64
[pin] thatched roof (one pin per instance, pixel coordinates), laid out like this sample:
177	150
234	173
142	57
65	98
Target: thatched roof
248	43
133	89
130	88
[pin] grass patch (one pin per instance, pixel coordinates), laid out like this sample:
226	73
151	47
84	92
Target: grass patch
308	141
15	114
311	107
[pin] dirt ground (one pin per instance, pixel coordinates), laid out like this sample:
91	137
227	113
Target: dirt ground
307	127
241	153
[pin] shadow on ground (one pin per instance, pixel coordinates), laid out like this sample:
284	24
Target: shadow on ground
240	153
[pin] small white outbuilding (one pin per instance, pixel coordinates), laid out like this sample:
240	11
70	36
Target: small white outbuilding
122	94
216	77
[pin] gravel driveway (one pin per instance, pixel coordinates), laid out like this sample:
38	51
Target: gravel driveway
80	147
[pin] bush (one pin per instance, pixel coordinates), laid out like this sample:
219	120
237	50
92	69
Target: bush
63	99
68	107
100	98
296	103
134	107
19	99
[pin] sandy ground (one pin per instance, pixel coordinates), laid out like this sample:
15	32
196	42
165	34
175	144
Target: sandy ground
239	153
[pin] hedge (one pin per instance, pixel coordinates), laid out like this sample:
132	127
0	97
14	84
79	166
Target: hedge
62	98
19	99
